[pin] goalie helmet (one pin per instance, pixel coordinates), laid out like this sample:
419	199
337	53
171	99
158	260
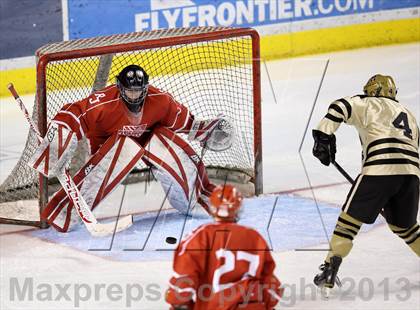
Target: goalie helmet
133	83
380	86
225	202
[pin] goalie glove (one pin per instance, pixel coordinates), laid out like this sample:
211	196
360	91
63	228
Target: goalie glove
216	135
324	147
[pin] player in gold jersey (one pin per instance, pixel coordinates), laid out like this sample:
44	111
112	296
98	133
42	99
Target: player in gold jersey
389	180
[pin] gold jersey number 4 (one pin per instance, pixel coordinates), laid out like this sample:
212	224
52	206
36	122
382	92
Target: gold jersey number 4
401	122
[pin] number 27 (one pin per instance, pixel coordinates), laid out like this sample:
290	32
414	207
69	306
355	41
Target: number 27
229	265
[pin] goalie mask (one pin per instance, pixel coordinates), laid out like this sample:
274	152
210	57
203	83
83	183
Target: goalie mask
380	86
225	203
133	83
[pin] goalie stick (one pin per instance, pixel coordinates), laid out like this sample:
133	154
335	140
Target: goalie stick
92	225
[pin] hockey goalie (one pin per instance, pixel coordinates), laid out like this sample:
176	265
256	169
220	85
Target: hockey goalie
124	123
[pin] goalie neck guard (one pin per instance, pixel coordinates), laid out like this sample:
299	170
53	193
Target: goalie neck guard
225	203
133	83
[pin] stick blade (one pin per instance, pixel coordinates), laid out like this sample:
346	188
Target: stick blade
124	223
106	229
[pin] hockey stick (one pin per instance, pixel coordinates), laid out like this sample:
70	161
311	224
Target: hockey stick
92	225
343	172
19	101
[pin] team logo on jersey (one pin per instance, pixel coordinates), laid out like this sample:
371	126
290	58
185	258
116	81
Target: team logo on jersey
132	130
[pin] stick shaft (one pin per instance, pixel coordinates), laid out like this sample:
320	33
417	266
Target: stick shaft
343	172
19	101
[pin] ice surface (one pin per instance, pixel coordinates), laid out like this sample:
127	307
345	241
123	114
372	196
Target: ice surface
275	217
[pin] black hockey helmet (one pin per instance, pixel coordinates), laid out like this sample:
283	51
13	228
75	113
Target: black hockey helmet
133	83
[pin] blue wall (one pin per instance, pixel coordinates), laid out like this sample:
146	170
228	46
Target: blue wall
90	18
25	25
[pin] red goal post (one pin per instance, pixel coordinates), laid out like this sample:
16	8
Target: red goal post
211	70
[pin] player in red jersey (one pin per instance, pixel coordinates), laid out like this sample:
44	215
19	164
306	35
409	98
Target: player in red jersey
146	115
223	265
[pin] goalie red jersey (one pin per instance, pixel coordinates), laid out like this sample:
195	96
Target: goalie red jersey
104	113
223	265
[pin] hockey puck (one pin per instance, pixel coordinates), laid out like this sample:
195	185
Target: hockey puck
171	240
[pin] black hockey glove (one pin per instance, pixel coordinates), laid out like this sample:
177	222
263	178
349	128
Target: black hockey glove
324	147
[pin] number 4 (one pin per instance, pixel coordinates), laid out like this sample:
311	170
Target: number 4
401	122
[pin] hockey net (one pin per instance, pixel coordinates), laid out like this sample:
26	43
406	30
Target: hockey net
211	70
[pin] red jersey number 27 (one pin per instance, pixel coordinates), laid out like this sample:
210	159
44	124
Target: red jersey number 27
229	265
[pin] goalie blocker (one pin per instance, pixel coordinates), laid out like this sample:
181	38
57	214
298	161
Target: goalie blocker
179	169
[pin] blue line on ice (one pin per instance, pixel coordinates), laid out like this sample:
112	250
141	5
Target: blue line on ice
295	224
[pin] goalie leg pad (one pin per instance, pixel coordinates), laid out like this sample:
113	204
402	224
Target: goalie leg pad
179	169
97	178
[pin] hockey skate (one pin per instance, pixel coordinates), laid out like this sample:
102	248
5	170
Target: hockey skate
328	276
